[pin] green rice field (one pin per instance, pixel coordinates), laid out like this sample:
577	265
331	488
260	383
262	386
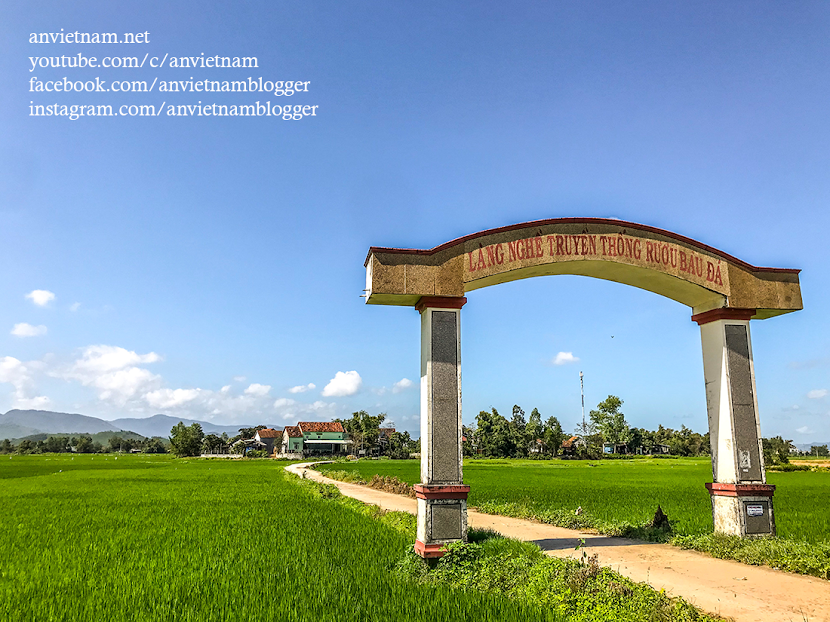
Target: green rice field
90	538
624	491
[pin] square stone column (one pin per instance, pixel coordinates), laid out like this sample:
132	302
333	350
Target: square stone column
442	496
741	498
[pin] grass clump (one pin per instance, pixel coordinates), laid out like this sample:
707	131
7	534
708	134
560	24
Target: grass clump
578	590
350	477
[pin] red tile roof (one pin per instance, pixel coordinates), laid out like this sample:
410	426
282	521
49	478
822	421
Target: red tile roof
321	426
570	442
293	431
386	431
269	433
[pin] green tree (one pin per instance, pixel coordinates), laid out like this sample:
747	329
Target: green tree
154	445
468	446
26	447
819	450
610	422
56	445
776	450
211	444
363	429
400	445
118	444
84	444
6	446
495	437
534	430
554	436
186	440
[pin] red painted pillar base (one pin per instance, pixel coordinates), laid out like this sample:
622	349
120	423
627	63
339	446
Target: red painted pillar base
743	510
442	517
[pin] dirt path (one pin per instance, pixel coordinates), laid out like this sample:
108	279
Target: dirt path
727	588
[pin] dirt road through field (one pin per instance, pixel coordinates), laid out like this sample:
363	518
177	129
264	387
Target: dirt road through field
730	589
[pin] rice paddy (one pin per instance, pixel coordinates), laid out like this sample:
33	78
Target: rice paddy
154	538
614	492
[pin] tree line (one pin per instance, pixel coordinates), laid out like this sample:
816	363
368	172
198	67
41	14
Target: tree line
84	444
493	435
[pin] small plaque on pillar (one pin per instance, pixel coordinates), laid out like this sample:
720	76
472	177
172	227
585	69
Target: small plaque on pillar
757	517
446	522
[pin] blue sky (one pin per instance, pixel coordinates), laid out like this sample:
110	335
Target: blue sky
208	266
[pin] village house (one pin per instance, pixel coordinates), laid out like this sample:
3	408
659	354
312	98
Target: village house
292	440
269	437
315	438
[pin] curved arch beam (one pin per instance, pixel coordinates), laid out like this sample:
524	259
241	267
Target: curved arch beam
666	263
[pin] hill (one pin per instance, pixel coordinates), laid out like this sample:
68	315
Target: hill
20	423
160	425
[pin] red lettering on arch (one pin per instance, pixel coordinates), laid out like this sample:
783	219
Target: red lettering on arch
481	262
499	254
560	245
539	250
512	254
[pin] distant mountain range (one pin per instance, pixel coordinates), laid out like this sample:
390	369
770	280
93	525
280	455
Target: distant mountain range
806	446
20	423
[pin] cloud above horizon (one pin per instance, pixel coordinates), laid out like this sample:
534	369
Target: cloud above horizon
565	358
19	375
343	384
302	388
27	330
258	390
816	394
41	297
402	385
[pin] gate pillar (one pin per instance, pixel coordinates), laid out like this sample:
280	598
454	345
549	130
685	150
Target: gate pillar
441	495
741	498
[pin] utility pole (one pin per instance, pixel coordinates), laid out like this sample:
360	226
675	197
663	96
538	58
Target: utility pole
582	391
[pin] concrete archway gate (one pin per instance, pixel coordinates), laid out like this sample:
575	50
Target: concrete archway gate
723	293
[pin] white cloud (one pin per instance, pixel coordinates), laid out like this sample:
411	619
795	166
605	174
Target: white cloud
32	403
816	394
302	388
239	379
27	330
41	297
343	384
563	358
102	359
170	398
283	402
226	388
804	430
75	306
114	372
19	375
402	385
258	390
